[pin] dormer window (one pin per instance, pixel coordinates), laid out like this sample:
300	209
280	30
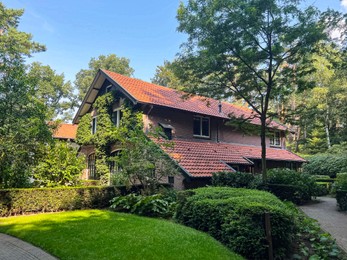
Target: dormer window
275	139
94	122
167	129
201	126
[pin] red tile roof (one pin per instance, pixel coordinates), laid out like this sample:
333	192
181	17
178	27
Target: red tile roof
65	131
149	93
201	159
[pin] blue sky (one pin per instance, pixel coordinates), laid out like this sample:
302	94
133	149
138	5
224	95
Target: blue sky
74	31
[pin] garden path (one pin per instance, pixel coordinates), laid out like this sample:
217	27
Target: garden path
325	211
12	248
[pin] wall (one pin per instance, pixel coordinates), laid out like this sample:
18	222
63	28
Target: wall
182	122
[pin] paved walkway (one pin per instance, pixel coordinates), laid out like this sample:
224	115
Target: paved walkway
330	219
12	248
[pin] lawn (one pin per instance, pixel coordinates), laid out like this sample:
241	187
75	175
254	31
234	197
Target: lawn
101	234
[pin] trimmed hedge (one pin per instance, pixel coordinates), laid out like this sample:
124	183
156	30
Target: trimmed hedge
326	164
235	217
236	180
24	201
341	198
292	186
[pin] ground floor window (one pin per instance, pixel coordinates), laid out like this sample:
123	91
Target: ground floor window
112	163
92	166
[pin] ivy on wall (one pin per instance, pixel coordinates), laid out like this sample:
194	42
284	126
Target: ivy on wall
140	160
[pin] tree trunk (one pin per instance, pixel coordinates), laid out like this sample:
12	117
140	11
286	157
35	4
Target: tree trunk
326	126
263	147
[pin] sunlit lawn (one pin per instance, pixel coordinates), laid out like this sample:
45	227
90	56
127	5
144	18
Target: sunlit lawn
98	234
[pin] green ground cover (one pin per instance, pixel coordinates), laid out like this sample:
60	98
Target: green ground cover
101	234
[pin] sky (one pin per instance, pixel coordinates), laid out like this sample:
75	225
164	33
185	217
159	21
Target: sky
75	31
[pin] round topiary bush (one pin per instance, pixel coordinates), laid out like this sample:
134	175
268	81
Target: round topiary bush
236	218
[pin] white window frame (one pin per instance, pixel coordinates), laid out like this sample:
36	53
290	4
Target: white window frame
275	140
94	124
209	127
117	110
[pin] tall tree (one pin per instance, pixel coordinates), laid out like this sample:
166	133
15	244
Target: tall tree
52	90
23	130
165	76
110	62
246	49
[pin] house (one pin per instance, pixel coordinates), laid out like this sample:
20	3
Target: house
203	140
65	132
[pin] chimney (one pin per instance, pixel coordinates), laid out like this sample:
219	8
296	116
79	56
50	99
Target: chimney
220	106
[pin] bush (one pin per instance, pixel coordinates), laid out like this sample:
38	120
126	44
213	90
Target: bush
326	164
341	181
156	205
24	201
291	185
236	180
236	218
341	198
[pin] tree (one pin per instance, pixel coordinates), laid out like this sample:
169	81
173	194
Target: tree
52	90
165	76
247	49
23	130
60	166
110	62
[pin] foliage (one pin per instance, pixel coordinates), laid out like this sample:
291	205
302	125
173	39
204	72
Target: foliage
93	234
23	130
60	166
152	205
326	164
341	181
291	185
341	199
140	160
25	201
52	90
165	76
236	218
110	62
248	50
236	180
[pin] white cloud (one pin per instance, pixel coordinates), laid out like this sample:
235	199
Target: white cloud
344	4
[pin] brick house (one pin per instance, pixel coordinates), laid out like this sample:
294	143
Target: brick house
203	140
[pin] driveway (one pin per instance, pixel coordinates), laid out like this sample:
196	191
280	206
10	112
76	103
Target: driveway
12	248
330	219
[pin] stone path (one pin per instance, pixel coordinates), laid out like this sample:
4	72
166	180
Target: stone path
12	248
330	219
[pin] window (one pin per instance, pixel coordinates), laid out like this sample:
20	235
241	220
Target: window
112	164
116	116
275	139
201	126
91	166
94	125
167	129
171	180
109	88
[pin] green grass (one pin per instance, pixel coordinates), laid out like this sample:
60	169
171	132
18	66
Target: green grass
101	234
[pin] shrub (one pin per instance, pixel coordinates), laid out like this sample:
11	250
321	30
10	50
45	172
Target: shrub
151	206
291	185
341	181
236	218
341	199
236	180
326	164
24	201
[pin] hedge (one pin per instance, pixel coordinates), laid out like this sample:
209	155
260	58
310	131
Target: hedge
24	201
236	180
341	198
235	217
326	164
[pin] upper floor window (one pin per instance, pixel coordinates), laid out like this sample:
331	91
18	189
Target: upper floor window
94	122
275	139
201	126
116	116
